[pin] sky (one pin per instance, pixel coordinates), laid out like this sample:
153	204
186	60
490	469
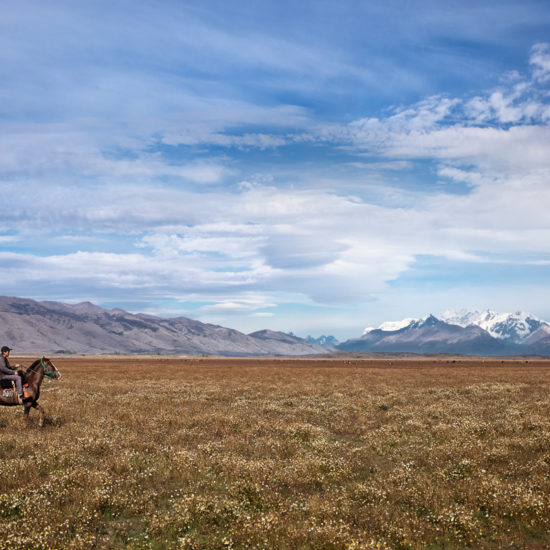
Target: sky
315	166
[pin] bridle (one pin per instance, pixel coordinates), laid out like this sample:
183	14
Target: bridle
51	374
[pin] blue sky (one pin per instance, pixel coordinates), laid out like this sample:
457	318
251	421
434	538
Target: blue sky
315	167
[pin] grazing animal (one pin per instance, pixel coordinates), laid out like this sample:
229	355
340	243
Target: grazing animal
33	377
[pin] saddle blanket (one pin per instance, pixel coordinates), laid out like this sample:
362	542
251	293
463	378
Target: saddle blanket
9	392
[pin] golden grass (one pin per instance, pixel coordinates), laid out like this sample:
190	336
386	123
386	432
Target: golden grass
256	453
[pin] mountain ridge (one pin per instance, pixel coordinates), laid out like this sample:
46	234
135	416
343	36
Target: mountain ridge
513	327
54	327
510	334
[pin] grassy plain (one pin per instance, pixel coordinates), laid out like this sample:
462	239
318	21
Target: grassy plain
257	453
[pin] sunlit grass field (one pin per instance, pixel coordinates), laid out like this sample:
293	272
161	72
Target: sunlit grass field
256	453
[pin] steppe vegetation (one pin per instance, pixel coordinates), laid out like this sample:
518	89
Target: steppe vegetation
226	453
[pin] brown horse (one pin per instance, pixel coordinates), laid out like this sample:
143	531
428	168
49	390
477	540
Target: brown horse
33	376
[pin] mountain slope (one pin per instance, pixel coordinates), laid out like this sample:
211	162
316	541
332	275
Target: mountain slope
49	327
539	341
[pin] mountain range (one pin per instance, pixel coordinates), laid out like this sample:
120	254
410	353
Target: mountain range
52	328
465	332
510	327
48	327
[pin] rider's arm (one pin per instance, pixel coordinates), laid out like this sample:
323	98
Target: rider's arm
4	366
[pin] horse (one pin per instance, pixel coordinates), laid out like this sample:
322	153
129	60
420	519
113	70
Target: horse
33	377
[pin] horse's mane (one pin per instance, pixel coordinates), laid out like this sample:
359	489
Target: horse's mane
32	366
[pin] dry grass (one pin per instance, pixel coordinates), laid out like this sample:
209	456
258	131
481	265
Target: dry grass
206	453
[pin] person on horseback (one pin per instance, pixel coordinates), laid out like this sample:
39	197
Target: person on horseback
7	372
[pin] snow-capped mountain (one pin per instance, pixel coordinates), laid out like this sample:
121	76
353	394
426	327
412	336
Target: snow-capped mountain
511	327
468	332
427	335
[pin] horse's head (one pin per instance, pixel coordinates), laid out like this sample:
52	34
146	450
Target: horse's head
50	370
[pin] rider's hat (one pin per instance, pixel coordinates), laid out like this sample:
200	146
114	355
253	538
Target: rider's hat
5	348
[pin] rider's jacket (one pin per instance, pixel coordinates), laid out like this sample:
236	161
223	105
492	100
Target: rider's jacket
5	366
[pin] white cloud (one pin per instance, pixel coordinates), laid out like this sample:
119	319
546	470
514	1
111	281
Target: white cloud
320	245
244	141
493	151
458	175
504	131
240	304
540	59
63	154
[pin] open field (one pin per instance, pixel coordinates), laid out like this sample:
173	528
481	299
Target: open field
258	453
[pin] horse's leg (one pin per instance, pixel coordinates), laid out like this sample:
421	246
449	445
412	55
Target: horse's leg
26	413
41	411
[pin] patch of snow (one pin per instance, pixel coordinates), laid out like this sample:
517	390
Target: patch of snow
390	326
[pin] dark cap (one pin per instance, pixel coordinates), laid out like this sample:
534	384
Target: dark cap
5	348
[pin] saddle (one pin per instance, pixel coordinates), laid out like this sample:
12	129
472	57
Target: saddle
7	387
6	393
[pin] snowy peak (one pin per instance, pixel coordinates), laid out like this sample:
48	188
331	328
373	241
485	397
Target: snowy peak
427	335
511	327
429	321
469	332
409	322
391	326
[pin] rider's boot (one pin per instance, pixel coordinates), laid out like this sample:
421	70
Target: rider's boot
19	399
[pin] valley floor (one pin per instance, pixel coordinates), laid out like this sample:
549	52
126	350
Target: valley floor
281	453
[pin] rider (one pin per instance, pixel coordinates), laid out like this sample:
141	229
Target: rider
7	372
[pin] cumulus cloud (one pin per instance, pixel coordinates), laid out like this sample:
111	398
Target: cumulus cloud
512	117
